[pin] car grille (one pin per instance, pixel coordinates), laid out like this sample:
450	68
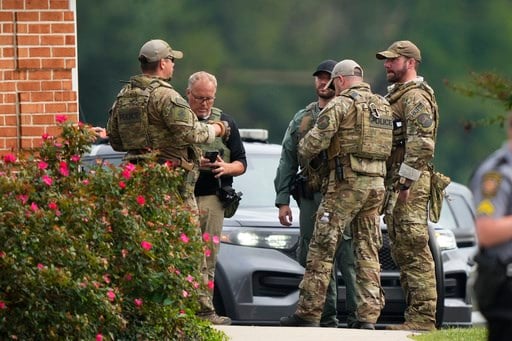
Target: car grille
386	261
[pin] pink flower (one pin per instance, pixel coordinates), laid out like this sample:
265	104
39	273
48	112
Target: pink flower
42	165
75	158
122	184
63	168
128	277
138	302
47	180
184	238
185	293
34	207
211	284
141	200
130	167
40	266
111	296
45	136
207	253
190	278
85	182
206	237
99	337
216	240
124	253
146	245
61	118
52	206
23	198
182	312
3	305
106	278
9	158
2	254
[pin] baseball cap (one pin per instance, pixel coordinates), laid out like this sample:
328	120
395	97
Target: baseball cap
401	48
157	49
346	67
325	66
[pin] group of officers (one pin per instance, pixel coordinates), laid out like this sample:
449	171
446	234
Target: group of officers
347	158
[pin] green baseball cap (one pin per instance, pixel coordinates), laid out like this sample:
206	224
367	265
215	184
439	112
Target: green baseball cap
157	49
401	48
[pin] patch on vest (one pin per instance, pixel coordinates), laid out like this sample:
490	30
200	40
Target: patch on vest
490	184
323	122
425	120
181	115
485	208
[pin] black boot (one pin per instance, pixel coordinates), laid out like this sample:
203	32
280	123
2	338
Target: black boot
296	321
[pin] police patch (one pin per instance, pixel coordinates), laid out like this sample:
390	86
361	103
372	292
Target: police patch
485	208
490	184
323	122
424	120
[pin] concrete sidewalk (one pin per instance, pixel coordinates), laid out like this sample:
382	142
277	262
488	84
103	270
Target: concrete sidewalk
259	333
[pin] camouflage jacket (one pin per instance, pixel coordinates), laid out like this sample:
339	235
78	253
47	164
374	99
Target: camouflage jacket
173	129
415	111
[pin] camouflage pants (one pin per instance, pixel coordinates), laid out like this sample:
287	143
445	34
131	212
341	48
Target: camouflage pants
357	200
211	217
408	233
345	253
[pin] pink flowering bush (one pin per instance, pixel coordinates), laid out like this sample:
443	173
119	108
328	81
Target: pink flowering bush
109	253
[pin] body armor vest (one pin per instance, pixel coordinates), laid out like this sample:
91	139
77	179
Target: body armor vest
218	144
372	135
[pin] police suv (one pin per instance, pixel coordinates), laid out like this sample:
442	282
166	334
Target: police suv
257	276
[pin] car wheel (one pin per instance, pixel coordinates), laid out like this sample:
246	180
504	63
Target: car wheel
439	270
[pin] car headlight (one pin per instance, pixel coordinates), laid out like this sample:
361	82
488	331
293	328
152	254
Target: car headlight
445	239
259	237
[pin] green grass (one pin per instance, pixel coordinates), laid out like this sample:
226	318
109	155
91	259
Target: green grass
454	334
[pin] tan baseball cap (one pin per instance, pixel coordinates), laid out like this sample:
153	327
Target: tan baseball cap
401	48
157	49
346	67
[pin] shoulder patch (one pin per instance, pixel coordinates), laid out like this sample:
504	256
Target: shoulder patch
425	120
490	183
323	122
485	208
181	115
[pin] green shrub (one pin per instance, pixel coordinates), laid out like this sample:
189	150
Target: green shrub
110	253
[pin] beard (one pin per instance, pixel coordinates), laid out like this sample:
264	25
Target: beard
325	93
396	76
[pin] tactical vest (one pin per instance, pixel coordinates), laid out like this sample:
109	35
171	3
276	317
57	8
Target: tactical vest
131	113
372	135
400	128
218	144
308	120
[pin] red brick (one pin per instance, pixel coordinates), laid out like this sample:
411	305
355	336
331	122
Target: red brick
7	28
12	4
40	52
51	85
21	28
8	132
6	64
61	74
9	98
69	16
73	108
40	75
63	28
20	74
27	16
65	96
29	86
23	52
63	51
7	86
34	63
70	63
7	109
55	107
24	97
52	16
41	96
6	39
52	40
10	120
31	108
6	15
38	28
67	85
36	4
8	52
59	4
28	40
70	40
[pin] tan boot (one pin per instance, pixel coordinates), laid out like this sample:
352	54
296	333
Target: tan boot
412	326
214	318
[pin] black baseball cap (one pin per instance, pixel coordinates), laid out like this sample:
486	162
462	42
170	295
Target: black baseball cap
325	66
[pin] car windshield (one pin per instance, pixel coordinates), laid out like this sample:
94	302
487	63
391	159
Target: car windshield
257	184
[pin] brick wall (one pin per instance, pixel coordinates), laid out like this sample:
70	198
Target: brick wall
38	76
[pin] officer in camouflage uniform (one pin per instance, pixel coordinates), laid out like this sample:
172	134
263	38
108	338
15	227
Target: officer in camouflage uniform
492	189
416	119
306	187
355	129
149	115
214	175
